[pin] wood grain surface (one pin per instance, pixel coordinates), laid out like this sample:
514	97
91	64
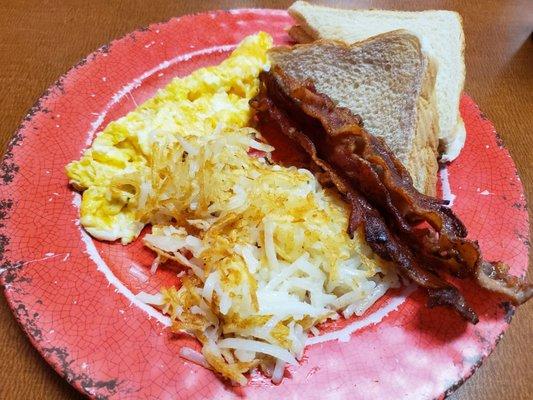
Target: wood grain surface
40	40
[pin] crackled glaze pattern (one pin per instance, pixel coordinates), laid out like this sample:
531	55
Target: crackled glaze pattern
90	332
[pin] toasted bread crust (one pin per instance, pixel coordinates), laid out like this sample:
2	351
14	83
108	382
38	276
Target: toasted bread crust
299	34
422	163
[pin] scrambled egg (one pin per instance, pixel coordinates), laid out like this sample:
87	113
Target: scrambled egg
189	106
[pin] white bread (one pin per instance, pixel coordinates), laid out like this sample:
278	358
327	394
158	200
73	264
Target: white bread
388	81
439	31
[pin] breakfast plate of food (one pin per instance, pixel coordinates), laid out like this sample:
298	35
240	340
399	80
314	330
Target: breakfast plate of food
265	204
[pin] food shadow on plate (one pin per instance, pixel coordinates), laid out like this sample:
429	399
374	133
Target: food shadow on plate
444	325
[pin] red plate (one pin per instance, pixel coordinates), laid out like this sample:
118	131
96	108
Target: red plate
73	296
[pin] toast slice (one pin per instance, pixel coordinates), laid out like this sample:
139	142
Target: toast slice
440	33
388	81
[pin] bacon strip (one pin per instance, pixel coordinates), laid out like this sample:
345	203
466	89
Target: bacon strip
381	194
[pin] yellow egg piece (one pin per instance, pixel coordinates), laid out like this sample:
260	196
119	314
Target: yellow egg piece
210	98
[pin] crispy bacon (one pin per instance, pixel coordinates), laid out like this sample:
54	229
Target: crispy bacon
418	233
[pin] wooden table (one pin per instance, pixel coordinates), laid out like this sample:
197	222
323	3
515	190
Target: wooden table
39	40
